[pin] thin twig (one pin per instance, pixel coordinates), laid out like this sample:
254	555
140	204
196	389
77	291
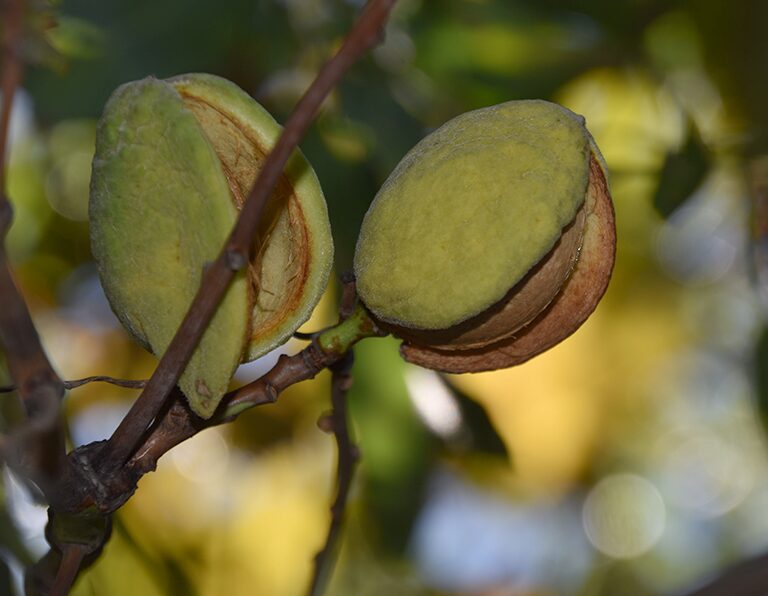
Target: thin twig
124	383
41	440
71	560
347	458
26	359
75	383
348	454
235	254
178	423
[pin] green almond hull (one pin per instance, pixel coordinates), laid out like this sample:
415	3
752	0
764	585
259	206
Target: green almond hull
309	204
160	210
469	211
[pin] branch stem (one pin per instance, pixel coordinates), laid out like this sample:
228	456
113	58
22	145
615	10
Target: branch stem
71	560
234	254
75	383
178	423
348	456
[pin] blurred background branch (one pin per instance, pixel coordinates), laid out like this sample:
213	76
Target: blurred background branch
36	446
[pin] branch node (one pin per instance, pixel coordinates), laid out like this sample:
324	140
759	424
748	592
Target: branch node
236	259
313	357
346	382
325	423
271	392
107	493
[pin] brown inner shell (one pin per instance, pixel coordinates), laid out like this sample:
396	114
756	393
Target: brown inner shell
577	299
281	251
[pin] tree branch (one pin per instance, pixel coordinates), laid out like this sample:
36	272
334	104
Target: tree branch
37	448
235	253
71	561
178	423
348	454
75	383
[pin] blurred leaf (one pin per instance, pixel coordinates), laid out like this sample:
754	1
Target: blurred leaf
682	173
40	17
736	55
761	376
39	52
76	38
71	146
396	448
164	568
123	570
32	214
346	139
634	120
483	436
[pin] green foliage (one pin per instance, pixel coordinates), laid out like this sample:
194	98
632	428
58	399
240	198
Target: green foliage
683	172
761	376
397	450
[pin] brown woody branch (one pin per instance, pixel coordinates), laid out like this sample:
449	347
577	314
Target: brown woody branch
71	560
37	448
235	254
178	423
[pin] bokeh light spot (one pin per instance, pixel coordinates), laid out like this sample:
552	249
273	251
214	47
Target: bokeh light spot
624	516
